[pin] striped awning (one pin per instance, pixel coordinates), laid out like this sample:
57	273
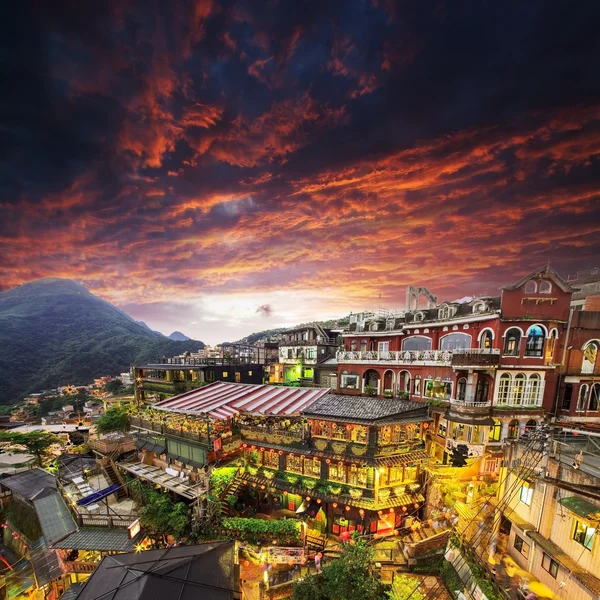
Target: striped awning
221	400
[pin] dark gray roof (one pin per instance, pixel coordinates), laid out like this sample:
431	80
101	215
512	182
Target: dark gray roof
365	408
30	484
546	270
205	571
73	465
46	564
98	538
54	517
72	592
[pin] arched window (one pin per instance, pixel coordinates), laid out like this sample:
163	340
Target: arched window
372	346
545	287
519	389
535	341
590	355
530	287
353	345
374	326
495	431
455	341
363	345
512	342
582	397
404	381
513	430
486	340
417	386
504	388
551	344
567	395
533	390
530	425
483	389
416	342
594	397
419	316
479	307
461	390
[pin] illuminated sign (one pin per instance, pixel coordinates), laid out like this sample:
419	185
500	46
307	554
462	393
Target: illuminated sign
134	528
282	556
217	444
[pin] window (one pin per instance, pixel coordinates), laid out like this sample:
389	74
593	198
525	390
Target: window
495	431
312	467
590	354
461	389
584	534
445	312
551	345
404	382
249	373
353	346
504	388
290	353
294	463
550	565
349	380
337	472
383	348
530	425
363	345
438	389
513	430
530	287
535	341
417	386
521	546
582	397
486	340
225	374
271	459
442	428
532	397
545	287
518	389
310	353
373	326
512	342
526	494
482	390
479	307
455	341
594	397
416	343
419	316
567	395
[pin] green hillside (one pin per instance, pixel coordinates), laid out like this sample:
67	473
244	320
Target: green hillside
54	332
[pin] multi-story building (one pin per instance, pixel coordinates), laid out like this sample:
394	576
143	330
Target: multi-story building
578	398
350	462
170	376
307	357
549	512
488	366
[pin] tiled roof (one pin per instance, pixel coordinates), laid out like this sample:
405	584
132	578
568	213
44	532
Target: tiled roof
222	400
364	408
98	538
30	484
204	571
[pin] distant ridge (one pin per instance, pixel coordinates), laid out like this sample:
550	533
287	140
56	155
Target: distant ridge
55	332
179	337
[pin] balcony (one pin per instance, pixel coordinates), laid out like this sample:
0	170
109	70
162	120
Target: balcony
476	358
273	435
441	358
80	567
469	407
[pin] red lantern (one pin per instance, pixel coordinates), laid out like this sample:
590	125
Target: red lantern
319	500
416	506
361	512
379	512
280	452
262	487
425	425
395	532
448	515
244	445
308	498
246	563
347	508
430	522
274	542
348	427
253	485
392	511
262	449
328	461
404	509
375	536
335	505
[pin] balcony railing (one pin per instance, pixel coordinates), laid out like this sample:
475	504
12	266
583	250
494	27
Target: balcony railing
80	567
470	404
263	434
178	432
445	358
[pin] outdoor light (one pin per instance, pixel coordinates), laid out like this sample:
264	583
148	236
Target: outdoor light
361	512
392	511
347	508
335	505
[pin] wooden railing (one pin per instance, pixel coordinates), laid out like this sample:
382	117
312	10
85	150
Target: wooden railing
80	567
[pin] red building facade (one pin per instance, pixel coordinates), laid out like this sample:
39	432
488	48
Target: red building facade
488	367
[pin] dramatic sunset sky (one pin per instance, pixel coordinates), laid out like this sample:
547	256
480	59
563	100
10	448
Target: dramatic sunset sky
225	167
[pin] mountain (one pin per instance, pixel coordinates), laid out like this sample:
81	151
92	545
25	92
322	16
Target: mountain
179	337
156	333
55	332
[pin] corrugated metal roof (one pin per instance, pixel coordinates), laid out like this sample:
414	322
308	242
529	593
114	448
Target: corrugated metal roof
54	517
222	400
580	506
29	484
98	538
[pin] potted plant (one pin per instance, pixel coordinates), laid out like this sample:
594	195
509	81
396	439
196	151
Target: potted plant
383	495
320	445
339	447
355	494
358	450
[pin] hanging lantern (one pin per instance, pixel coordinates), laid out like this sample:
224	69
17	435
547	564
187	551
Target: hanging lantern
448	515
335	505
290	562
430	522
246	563
395	532
328	461
319	500
425	425
253	485
262	487
404	509
361	512
347	508
392	511
244	445
348	427
416	506
274	542
262	449
280	452
379	512
308	498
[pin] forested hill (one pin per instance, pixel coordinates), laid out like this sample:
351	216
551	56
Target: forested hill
54	332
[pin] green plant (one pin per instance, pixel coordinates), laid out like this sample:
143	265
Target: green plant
258	531
253	457
320	444
388	394
114	419
291	478
309	483
358	450
403	395
252	469
220	478
37	443
451	579
405	586
335	488
267	473
370	391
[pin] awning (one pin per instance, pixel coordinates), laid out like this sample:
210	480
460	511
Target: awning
581	507
98	538
481	421
221	400
97	496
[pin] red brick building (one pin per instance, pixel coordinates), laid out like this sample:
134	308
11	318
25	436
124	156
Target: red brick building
488	366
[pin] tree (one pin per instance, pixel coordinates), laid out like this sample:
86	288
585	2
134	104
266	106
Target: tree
36	443
161	517
349	577
114	419
113	386
404	587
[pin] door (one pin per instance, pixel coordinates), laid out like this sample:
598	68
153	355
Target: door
384	349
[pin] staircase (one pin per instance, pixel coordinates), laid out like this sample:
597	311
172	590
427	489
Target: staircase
113	476
231	489
315	542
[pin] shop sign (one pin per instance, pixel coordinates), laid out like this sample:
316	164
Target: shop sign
217	444
281	555
134	529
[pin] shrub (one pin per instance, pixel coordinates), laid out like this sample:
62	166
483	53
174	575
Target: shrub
451	579
258	531
220	478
